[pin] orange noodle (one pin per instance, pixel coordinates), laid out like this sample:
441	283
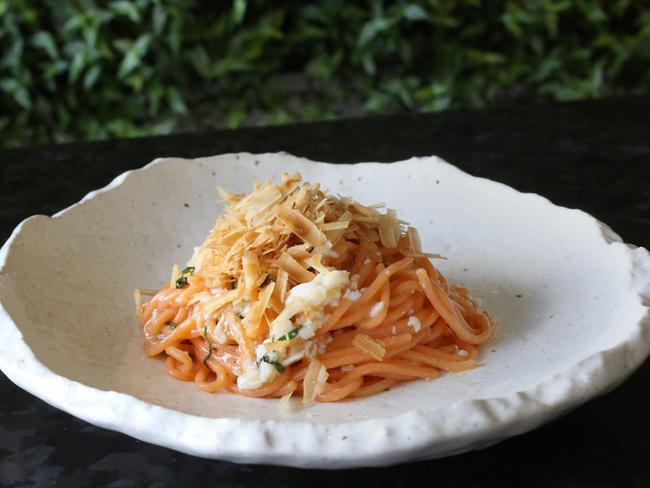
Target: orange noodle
296	291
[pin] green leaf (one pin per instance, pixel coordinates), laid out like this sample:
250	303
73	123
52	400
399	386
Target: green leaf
201	62
159	19
244	62
126	9
142	43
78	63
238	11
321	67
91	77
9	85
176	102
73	23
485	57
129	63
236	116
164	127
22	98
414	12
90	36
368	64
45	41
133	55
371	29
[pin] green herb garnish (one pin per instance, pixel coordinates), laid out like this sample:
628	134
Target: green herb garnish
290	335
182	281
233	284
171	325
205	334
277	364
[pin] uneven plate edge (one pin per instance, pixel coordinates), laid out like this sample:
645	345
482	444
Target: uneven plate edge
400	438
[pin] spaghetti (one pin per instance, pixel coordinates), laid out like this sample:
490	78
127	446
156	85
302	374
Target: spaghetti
298	292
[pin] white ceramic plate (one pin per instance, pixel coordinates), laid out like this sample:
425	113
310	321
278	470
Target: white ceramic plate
571	299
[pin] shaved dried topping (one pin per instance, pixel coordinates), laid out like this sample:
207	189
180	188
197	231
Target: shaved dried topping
226	196
314	381
414	239
301	226
251	270
254	318
296	271
281	285
175	274
284	405
370	346
277	237
387	225
339	225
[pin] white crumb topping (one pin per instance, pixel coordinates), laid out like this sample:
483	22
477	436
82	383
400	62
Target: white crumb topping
352	295
376	308
414	322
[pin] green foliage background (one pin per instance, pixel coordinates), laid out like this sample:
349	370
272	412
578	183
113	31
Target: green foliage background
82	69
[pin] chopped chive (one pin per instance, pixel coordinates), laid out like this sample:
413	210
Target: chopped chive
182	281
290	335
171	325
233	284
278	366
205	334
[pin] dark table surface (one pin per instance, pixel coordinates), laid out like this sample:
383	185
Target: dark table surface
590	155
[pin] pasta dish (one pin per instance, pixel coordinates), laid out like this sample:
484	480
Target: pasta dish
296	291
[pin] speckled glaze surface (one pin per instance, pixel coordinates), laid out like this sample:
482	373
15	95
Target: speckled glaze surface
571	299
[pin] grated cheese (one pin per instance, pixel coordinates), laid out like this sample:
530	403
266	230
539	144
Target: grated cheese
376	308
414	322
352	295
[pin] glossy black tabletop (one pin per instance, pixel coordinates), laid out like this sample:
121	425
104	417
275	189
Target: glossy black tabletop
590	155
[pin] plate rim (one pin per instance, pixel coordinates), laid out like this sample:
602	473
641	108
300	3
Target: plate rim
398	438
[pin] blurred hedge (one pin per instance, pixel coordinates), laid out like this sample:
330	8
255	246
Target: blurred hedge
73	70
